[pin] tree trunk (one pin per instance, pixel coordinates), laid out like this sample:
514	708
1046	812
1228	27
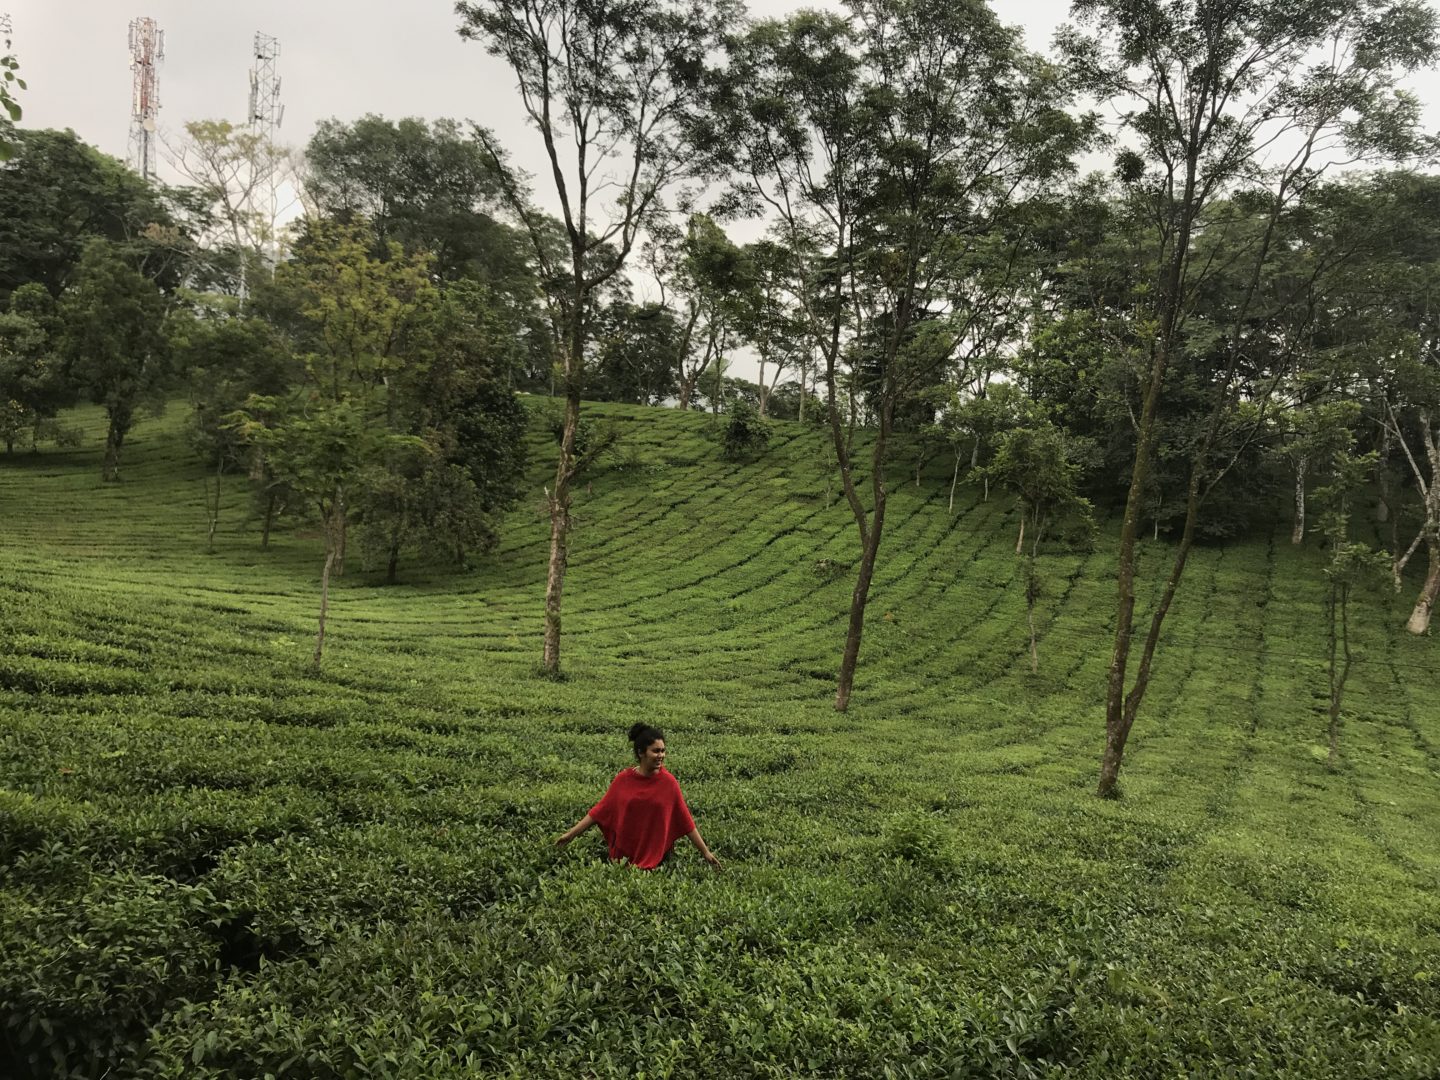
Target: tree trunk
869	551
214	507
120	418
559	501
269	519
1032	594
764	391
858	600
1020	540
1034	648
392	563
334	529
1129	704
954	479
1297	534
340	552
1419	622
559	498
1339	663
324	605
1382	481
1116	730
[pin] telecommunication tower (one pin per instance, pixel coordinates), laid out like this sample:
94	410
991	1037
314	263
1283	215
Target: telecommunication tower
147	49
265	118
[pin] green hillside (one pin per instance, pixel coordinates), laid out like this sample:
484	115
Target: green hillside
214	862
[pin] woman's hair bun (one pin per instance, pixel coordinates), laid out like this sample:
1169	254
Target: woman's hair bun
642	735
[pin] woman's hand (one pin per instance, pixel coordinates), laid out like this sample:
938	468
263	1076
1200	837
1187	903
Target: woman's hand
575	830
703	848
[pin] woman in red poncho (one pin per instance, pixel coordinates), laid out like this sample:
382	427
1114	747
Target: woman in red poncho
643	813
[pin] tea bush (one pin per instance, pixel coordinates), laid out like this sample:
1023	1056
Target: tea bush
215	862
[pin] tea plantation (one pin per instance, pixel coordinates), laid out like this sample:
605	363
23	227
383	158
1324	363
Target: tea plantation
215	863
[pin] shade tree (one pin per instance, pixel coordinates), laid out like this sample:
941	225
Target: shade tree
768	319
226	357
360	324
57	194
34	386
231	170
704	282
1352	565
636	346
615	93
113	342
1043	467
426	185
886	142
1216	98
455	397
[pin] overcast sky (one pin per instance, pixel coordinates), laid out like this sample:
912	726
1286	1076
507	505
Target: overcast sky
340	59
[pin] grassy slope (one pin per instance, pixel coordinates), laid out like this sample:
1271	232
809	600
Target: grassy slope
925	883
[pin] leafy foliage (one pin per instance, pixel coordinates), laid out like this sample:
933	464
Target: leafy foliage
57	194
113	341
746	432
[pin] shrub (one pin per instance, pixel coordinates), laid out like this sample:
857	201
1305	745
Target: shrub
746	432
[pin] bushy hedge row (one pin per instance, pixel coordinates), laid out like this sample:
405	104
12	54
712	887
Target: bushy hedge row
214	862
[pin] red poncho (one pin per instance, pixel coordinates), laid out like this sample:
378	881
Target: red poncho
642	817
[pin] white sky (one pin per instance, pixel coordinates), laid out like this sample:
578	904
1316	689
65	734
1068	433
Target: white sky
339	58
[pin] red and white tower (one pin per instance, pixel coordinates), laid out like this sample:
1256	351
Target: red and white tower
147	49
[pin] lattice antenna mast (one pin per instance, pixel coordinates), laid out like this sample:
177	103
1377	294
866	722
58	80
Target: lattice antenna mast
147	49
265	118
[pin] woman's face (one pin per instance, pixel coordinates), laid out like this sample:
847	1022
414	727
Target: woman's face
653	756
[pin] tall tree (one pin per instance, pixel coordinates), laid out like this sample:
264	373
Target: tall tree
1219	96
888	142
636	347
428	186
1399	324
57	193
324	437
1040	464
33	383
455	397
613	88
768	317
230	169
113	341
226	358
704	278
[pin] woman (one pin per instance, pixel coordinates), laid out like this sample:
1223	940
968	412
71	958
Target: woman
643	813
